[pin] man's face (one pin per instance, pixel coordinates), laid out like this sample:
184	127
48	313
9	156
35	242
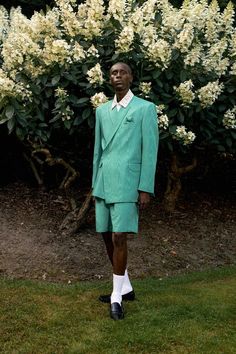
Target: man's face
120	77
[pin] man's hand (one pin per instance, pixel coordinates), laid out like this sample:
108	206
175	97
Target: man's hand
144	199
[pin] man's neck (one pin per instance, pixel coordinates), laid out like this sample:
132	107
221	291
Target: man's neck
120	95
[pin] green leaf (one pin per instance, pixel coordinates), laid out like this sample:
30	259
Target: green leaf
222	107
233	134
22	121
20	133
82	100
172	112
180	117
232	100
4	120
229	142
183	75
67	124
77	121
169	75
91	121
230	89
54	119
220	148
55	79
159	83
86	113
10	125
45	104
114	57
156	74
84	69
9	111
48	92
172	129
170	146
164	135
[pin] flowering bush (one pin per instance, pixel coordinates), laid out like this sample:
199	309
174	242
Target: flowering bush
55	67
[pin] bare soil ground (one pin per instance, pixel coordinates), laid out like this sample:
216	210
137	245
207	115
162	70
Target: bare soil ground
199	234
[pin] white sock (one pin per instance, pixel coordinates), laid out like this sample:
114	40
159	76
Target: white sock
118	281
127	287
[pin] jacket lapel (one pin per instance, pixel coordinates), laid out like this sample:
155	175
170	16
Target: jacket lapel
116	119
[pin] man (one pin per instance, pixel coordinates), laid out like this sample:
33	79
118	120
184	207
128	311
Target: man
125	152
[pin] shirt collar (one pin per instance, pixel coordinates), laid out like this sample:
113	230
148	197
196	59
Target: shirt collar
125	100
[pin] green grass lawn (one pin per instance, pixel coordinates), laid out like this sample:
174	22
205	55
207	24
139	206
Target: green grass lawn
195	313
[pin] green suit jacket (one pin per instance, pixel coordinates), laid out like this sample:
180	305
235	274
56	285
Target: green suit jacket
125	151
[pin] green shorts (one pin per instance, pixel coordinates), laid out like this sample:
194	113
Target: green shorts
116	217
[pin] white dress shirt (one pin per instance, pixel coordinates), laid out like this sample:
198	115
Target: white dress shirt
122	103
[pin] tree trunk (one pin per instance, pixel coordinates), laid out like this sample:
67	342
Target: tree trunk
174	184
76	217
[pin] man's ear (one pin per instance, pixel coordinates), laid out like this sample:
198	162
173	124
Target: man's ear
131	78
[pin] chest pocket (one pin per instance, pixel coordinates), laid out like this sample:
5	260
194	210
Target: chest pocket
129	120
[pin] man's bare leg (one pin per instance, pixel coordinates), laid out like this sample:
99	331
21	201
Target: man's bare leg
119	265
127	287
107	238
120	252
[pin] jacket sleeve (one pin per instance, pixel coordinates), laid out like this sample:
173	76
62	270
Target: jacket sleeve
97	148
150	141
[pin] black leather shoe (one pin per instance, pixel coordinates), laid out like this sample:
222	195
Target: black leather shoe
127	297
116	311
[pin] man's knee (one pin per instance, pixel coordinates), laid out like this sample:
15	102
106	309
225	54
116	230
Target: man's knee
119	239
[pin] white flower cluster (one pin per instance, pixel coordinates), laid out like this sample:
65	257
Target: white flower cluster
78	52
185	38
214	59
124	41
183	136
23	46
209	93
56	51
193	56
145	88
159	53
116	9
185	92
68	16
43	25
98	99
229	120
88	21
68	114
18	50
228	18
143	16
92	52
200	32
4	23
95	75
233	69
91	18
61	93
195	12
9	88
163	121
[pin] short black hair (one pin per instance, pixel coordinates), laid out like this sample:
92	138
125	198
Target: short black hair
123	63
